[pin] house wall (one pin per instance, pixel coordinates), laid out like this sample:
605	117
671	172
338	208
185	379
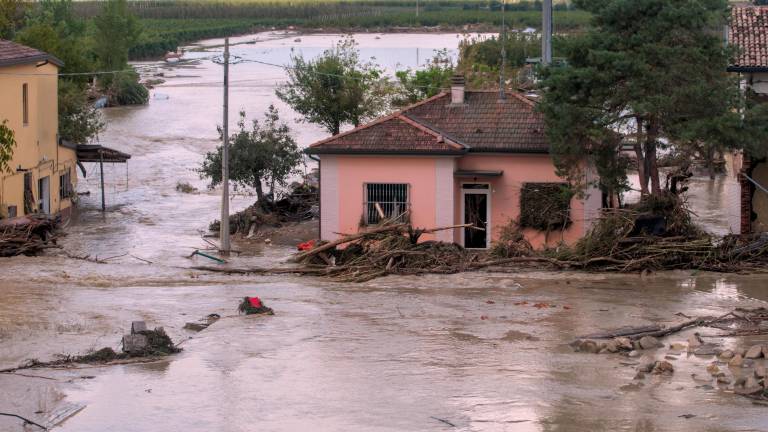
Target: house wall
760	199
759	82
505	195
37	150
430	181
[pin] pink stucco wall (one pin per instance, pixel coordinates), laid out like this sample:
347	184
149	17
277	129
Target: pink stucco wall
505	193
432	205
355	171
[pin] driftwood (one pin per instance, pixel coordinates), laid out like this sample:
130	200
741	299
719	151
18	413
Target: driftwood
738	321
28	235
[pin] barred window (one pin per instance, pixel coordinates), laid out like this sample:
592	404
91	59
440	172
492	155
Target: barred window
389	200
65	186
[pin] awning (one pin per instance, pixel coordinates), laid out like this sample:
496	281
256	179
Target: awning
99	153
477	173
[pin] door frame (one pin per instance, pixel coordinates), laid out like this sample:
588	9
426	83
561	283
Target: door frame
487	193
44	192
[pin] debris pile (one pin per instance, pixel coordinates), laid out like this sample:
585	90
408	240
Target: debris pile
301	203
144	343
28	235
253	306
659	235
391	248
747	366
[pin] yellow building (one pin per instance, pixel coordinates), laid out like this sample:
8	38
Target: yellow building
42	173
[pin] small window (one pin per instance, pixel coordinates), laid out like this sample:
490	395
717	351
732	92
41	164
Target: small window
25	103
389	200
13	211
65	186
545	206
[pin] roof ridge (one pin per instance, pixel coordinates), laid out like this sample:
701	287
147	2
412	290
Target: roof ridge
432	129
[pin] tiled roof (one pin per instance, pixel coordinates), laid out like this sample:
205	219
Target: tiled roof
12	53
749	33
484	123
394	134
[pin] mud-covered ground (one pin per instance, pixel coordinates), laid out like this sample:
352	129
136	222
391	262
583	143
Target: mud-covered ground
390	355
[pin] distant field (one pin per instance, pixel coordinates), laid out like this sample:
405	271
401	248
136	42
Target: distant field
170	23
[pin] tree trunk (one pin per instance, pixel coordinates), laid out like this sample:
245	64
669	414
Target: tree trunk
641	169
642	175
651	165
336	128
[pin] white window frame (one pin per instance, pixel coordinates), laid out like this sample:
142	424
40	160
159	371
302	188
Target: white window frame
366	203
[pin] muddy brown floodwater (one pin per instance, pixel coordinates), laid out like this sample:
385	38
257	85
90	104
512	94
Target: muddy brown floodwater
393	354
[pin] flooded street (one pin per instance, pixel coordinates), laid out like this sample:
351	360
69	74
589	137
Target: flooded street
394	354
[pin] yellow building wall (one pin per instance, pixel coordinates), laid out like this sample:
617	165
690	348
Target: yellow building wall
37	151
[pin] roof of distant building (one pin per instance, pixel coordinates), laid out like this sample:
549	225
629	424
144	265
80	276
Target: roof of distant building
483	123
12	53
749	33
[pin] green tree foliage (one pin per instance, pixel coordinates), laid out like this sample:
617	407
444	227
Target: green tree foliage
413	86
265	154
7	143
336	88
652	69
11	17
116	31
51	26
79	121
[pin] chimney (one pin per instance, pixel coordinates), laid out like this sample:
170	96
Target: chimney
457	90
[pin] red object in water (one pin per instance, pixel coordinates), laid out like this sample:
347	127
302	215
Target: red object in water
255	302
307	245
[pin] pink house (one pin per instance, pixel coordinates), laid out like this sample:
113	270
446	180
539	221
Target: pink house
459	157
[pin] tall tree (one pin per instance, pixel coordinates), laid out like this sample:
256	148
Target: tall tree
265	154
653	70
413	86
336	88
11	17
51	26
116	31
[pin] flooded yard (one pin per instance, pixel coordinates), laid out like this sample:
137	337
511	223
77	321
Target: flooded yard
394	354
463	352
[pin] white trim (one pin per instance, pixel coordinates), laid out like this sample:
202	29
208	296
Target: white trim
444	198
488	224
329	197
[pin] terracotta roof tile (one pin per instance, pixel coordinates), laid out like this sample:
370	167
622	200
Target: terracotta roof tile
482	124
749	33
12	53
486	123
392	134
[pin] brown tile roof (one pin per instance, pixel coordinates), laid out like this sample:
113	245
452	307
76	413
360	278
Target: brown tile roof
393	134
749	33
482	124
12	53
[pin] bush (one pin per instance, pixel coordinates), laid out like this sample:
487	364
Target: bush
127	90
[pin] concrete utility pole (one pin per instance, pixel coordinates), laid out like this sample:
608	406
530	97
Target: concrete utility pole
546	33
502	93
417	8
224	225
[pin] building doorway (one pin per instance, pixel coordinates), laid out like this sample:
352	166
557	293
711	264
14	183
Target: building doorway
44	195
476	210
